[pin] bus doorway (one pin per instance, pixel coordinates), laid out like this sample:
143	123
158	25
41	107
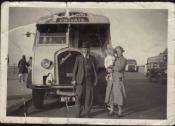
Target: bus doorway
98	36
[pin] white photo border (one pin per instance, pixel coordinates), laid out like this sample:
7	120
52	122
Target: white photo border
113	5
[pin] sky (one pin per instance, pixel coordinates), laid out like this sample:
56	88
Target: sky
141	32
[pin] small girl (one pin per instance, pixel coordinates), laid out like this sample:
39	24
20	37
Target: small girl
109	63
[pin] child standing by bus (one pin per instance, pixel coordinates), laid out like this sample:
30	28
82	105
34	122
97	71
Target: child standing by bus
108	63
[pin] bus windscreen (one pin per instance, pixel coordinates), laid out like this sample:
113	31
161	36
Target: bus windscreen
95	34
131	62
52	34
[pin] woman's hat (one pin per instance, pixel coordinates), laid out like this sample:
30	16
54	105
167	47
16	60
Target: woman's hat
121	48
109	46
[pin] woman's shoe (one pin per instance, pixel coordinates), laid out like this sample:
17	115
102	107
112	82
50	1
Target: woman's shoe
108	107
120	114
111	113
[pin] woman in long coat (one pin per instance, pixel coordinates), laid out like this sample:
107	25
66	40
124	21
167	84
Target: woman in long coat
22	65
118	94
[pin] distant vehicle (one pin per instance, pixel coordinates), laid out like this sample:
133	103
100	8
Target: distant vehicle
131	65
57	42
157	67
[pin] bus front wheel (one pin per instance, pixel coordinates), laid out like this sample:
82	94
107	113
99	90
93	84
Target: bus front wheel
38	98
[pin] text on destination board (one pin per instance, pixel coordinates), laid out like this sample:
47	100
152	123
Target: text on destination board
73	19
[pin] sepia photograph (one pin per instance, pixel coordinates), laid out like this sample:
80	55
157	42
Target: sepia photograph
104	62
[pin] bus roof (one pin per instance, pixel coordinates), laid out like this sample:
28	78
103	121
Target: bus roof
73	17
131	60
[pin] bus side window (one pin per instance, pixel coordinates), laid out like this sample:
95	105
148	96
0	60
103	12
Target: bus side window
40	40
62	41
50	40
44	40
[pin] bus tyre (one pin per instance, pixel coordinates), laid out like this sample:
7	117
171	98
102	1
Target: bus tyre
38	98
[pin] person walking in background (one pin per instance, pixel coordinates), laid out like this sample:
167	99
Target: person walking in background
84	78
29	77
109	63
118	90
22	66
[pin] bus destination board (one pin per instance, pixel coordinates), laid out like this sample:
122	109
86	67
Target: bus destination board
73	19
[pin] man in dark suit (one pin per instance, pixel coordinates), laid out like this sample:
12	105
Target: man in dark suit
84	78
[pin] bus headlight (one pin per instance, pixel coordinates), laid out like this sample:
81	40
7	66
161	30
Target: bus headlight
45	63
49	79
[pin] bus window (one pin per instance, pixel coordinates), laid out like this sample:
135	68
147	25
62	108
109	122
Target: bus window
51	38
52	34
96	34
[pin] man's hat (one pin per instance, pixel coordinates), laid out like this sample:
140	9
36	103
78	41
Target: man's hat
121	48
85	44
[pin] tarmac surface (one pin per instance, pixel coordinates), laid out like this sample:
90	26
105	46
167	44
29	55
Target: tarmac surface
17	93
145	100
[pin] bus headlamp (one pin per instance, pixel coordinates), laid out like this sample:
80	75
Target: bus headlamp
45	63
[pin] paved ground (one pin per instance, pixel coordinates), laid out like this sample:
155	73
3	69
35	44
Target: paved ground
145	100
17	93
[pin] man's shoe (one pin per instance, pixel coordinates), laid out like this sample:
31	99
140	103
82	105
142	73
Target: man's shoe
86	116
80	116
